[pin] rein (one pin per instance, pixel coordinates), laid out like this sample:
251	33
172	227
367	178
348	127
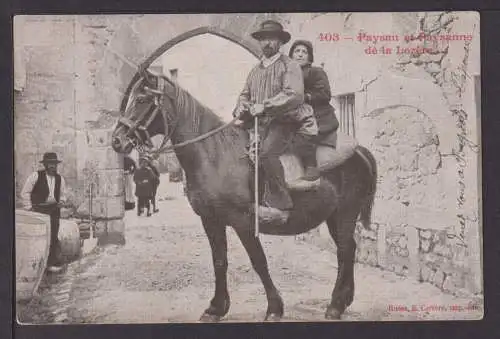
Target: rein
158	103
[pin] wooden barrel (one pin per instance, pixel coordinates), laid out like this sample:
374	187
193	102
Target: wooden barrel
69	238
32	251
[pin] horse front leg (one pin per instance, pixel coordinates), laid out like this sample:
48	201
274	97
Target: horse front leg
219	305
342	232
253	246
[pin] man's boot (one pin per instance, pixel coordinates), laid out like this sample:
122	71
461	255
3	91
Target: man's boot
307	152
310	165
276	196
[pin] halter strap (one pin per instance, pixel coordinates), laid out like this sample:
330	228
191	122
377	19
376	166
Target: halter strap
159	95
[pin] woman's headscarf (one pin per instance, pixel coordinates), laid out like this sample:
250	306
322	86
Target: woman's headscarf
307	44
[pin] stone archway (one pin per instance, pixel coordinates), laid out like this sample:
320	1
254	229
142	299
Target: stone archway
217	31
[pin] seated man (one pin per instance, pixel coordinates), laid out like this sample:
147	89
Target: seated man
275	90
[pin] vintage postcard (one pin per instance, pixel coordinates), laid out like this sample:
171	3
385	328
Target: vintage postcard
248	167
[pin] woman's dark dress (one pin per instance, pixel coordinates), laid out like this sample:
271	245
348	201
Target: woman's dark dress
318	95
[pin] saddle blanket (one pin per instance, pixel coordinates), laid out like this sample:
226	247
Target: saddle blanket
328	157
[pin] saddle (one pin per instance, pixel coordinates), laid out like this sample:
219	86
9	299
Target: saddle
331	151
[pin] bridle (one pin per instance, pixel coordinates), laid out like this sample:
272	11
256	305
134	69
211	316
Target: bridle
139	126
142	123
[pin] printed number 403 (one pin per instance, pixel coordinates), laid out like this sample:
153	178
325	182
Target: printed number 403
329	37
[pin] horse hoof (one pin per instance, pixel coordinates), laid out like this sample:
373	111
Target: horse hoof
333	314
210	318
272	317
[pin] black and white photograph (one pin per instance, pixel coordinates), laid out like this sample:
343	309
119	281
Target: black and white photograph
245	168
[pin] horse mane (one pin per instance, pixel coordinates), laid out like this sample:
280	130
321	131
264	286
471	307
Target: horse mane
201	119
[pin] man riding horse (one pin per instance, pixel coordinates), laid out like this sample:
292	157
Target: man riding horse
274	90
218	176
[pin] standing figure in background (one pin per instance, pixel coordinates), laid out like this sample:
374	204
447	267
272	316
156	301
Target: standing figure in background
144	179
154	168
44	192
129	169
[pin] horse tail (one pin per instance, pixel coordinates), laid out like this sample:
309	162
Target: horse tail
367	205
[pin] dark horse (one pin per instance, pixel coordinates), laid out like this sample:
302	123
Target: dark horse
218	175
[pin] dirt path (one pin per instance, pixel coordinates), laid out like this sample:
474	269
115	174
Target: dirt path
164	274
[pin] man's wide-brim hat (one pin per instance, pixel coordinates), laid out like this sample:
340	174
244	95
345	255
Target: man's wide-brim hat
271	28
50	157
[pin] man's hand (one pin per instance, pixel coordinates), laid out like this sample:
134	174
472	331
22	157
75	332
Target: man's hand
257	109
241	109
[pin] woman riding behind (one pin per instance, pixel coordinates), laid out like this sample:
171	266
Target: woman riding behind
316	88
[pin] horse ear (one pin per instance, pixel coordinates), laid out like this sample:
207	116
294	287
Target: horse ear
147	75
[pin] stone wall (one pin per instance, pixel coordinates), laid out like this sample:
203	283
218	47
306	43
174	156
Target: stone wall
423	254
416	113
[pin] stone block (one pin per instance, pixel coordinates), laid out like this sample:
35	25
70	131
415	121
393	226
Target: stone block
433	67
444	251
99	137
109	183
425	273
473	284
405	271
425	234
103	208
432	274
47	87
403	242
398	269
459	259
98	208
372	257
371	234
425	245
438	278
458	279
115	207
100	228
114	232
105	158
363	254
47	32
52	59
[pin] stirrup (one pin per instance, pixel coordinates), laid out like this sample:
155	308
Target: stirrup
301	184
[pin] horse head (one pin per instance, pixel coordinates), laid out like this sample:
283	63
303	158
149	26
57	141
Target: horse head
144	116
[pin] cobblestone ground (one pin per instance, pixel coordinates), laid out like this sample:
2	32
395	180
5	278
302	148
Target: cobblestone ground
164	274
